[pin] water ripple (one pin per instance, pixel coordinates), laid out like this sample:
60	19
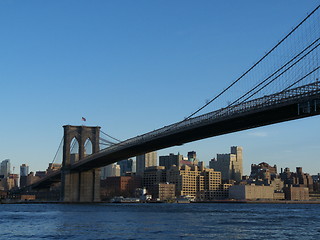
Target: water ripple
159	221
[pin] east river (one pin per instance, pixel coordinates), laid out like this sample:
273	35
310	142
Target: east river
160	221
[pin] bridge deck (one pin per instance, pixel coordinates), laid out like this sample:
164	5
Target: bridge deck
287	105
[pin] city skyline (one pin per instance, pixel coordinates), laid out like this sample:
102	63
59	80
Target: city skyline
138	68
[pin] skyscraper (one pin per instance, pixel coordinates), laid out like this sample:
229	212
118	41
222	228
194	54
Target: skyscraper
144	161
5	168
125	166
170	160
229	164
192	156
24	171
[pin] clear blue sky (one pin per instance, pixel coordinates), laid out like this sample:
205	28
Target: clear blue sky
135	66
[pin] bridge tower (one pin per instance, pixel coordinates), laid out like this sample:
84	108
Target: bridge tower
79	186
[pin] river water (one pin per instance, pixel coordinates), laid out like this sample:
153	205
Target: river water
160	221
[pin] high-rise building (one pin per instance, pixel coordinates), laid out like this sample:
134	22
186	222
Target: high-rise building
144	161
125	166
229	164
5	168
192	156
24	171
153	175
170	160
196	182
238	169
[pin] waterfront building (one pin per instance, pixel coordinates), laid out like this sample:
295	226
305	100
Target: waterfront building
210	187
163	191
277	184
296	193
144	161
251	192
120	186
5	168
170	160
229	164
197	182
316	183
153	175
185	180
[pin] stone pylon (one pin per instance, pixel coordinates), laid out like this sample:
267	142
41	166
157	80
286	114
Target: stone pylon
79	186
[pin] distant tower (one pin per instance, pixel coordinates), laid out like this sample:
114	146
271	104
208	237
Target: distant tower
230	164
125	166
192	156
237	165
170	160
144	161
5	168
24	171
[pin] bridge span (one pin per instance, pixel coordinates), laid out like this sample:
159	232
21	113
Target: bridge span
283	106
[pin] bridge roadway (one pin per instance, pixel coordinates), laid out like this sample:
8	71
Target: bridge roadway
287	105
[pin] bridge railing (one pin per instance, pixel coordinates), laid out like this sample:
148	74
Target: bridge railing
255	104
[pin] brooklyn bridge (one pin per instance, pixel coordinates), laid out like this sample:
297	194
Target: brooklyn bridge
282	85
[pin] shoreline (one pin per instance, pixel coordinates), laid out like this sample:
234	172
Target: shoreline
213	202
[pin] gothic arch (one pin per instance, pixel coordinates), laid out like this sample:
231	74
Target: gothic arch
81	134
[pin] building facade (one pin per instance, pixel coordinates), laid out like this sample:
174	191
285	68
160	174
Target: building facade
196	182
111	170
5	168
170	160
24	171
153	176
296	193
120	186
126	166
163	191
263	171
298	178
251	192
144	161
229	164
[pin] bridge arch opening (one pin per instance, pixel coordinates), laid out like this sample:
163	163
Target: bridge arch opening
88	147
74	150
